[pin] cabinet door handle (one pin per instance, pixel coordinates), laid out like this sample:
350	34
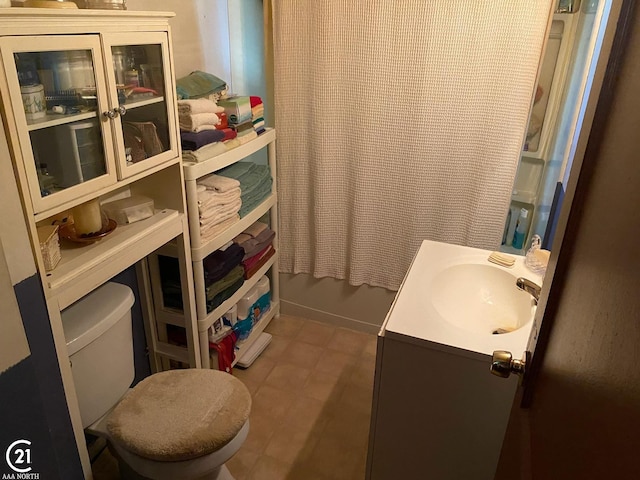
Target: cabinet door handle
120	109
109	114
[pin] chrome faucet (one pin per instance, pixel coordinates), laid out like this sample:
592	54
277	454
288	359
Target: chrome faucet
530	287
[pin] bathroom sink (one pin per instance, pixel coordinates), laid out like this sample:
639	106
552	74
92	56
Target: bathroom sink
453	296
481	298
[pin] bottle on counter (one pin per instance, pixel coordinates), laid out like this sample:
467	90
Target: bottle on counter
521	229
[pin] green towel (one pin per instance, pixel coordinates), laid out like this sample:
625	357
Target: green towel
199	84
228	280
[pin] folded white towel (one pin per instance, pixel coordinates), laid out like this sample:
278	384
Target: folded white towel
198	121
219	213
211	231
198	105
210	198
219	183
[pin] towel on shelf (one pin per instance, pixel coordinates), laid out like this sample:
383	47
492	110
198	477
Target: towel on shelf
257	112
224	295
255	183
211	198
247	137
225	282
199	84
224	120
255	229
238	109
258	125
194	141
219	213
198	122
254	101
242	127
209	232
229	133
221	262
198	105
253	246
219	183
204	153
260	260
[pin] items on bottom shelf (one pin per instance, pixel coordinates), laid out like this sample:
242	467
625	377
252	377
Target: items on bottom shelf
516	227
253	306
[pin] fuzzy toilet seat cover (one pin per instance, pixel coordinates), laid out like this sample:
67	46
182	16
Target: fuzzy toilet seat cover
180	414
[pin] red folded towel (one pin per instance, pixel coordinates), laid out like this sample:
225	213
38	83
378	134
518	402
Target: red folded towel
255	101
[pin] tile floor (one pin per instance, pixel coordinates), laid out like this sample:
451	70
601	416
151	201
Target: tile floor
311	392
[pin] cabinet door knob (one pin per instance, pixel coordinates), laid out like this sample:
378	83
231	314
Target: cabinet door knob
120	109
109	114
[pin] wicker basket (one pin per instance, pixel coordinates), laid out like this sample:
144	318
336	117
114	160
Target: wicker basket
49	246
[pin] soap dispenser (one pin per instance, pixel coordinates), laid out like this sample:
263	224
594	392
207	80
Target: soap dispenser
521	229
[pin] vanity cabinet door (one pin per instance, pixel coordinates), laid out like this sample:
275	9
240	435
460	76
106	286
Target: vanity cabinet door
57	91
142	92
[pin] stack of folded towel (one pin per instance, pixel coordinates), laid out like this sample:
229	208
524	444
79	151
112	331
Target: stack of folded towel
198	115
256	241
204	132
223	274
240	117
219	202
255	183
257	114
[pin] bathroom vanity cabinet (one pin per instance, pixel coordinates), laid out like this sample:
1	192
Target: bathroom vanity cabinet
437	410
200	250
89	108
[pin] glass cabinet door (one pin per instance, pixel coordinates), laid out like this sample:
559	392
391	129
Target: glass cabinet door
57	89
140	77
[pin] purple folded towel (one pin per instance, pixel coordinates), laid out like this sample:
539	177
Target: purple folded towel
193	141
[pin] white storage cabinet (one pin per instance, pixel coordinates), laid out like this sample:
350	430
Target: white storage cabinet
101	141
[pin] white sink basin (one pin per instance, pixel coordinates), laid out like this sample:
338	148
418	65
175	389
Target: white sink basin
453	296
481	298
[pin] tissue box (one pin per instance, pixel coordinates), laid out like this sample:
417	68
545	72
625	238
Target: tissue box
129	210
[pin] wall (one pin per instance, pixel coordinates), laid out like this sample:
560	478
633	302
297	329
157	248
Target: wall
32	400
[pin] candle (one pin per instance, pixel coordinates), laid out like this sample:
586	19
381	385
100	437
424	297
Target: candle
87	218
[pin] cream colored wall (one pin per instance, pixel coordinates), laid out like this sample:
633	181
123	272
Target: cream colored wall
335	301
200	34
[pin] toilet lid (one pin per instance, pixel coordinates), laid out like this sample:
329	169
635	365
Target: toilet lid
180	414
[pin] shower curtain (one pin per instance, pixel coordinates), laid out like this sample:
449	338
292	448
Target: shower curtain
398	121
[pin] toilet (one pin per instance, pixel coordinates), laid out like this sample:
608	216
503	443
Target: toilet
173	425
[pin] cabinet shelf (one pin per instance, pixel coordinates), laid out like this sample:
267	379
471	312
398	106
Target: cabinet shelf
206	322
131	104
53	120
123	246
233	231
193	171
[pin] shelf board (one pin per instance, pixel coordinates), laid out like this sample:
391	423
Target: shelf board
142	103
206	322
198	254
82	258
193	171
244	345
53	120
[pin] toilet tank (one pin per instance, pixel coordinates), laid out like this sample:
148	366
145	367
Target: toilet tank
97	329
